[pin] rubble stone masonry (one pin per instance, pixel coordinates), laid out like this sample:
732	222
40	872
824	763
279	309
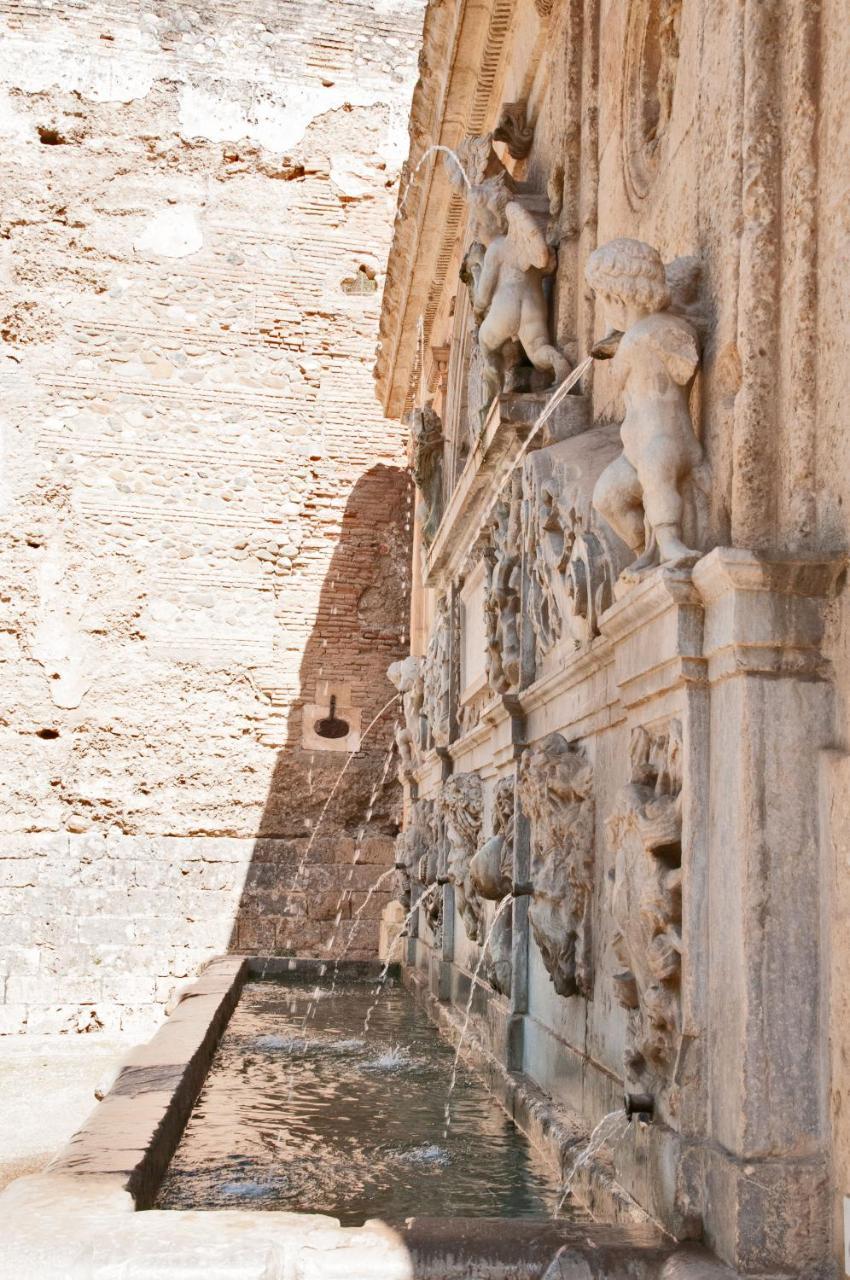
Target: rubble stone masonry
204	518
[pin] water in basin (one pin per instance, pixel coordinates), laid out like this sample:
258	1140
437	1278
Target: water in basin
304	1111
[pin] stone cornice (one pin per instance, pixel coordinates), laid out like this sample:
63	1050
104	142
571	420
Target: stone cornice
461	60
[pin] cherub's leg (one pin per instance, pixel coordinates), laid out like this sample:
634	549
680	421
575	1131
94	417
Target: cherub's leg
617	497
659	472
491	340
534	336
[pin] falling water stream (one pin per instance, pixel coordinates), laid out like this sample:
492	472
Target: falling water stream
610	1130
505	902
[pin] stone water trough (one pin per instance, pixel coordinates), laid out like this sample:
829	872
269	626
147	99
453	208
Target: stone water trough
89	1214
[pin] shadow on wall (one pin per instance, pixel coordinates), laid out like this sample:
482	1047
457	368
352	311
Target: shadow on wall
306	889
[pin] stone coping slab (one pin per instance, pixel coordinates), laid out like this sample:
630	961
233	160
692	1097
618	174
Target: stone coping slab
80	1218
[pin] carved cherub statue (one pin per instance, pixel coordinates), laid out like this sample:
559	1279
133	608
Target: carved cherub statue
655	357
505	267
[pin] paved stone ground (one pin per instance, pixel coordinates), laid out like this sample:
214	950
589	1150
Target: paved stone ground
47	1088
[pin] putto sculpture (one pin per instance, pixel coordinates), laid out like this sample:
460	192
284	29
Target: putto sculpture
427	466
655	355
462	808
556	793
491	874
645	833
505	266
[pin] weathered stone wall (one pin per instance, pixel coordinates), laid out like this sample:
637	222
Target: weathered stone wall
202	512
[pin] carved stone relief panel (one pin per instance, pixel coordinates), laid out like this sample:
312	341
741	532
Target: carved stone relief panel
491	874
556	793
407	676
462	807
572	559
502	594
436	679
420	851
427	452
645	832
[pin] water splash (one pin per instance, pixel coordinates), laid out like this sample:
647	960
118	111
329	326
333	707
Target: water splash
503	905
611	1129
370	726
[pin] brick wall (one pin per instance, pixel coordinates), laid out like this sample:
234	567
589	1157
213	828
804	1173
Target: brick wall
202	512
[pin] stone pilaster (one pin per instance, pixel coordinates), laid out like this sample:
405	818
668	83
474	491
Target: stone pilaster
770	716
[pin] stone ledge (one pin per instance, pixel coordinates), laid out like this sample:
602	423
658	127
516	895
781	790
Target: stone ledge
132	1134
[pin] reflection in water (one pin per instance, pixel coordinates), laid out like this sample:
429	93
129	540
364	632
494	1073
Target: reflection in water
329	1122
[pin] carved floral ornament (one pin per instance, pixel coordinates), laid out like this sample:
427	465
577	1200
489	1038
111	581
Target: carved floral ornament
503	558
556	793
645	833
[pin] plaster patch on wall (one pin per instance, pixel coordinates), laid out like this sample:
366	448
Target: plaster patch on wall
48	63
173	233
271	119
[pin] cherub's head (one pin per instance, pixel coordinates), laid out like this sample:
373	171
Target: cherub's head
629	276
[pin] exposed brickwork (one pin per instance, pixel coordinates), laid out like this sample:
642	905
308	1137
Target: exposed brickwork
202	511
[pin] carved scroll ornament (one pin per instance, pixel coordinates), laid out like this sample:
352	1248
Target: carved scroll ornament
556	792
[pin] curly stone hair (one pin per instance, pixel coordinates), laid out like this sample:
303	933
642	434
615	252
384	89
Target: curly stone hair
631	272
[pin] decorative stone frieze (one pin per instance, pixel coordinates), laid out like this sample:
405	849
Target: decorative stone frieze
572	563
436	680
655	354
503	558
645	833
462	807
491	875
407	676
556	793
427	464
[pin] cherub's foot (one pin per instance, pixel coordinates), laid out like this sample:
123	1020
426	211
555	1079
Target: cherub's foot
672	550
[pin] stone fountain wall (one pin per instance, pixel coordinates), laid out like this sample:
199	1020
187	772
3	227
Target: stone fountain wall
203	514
646	651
